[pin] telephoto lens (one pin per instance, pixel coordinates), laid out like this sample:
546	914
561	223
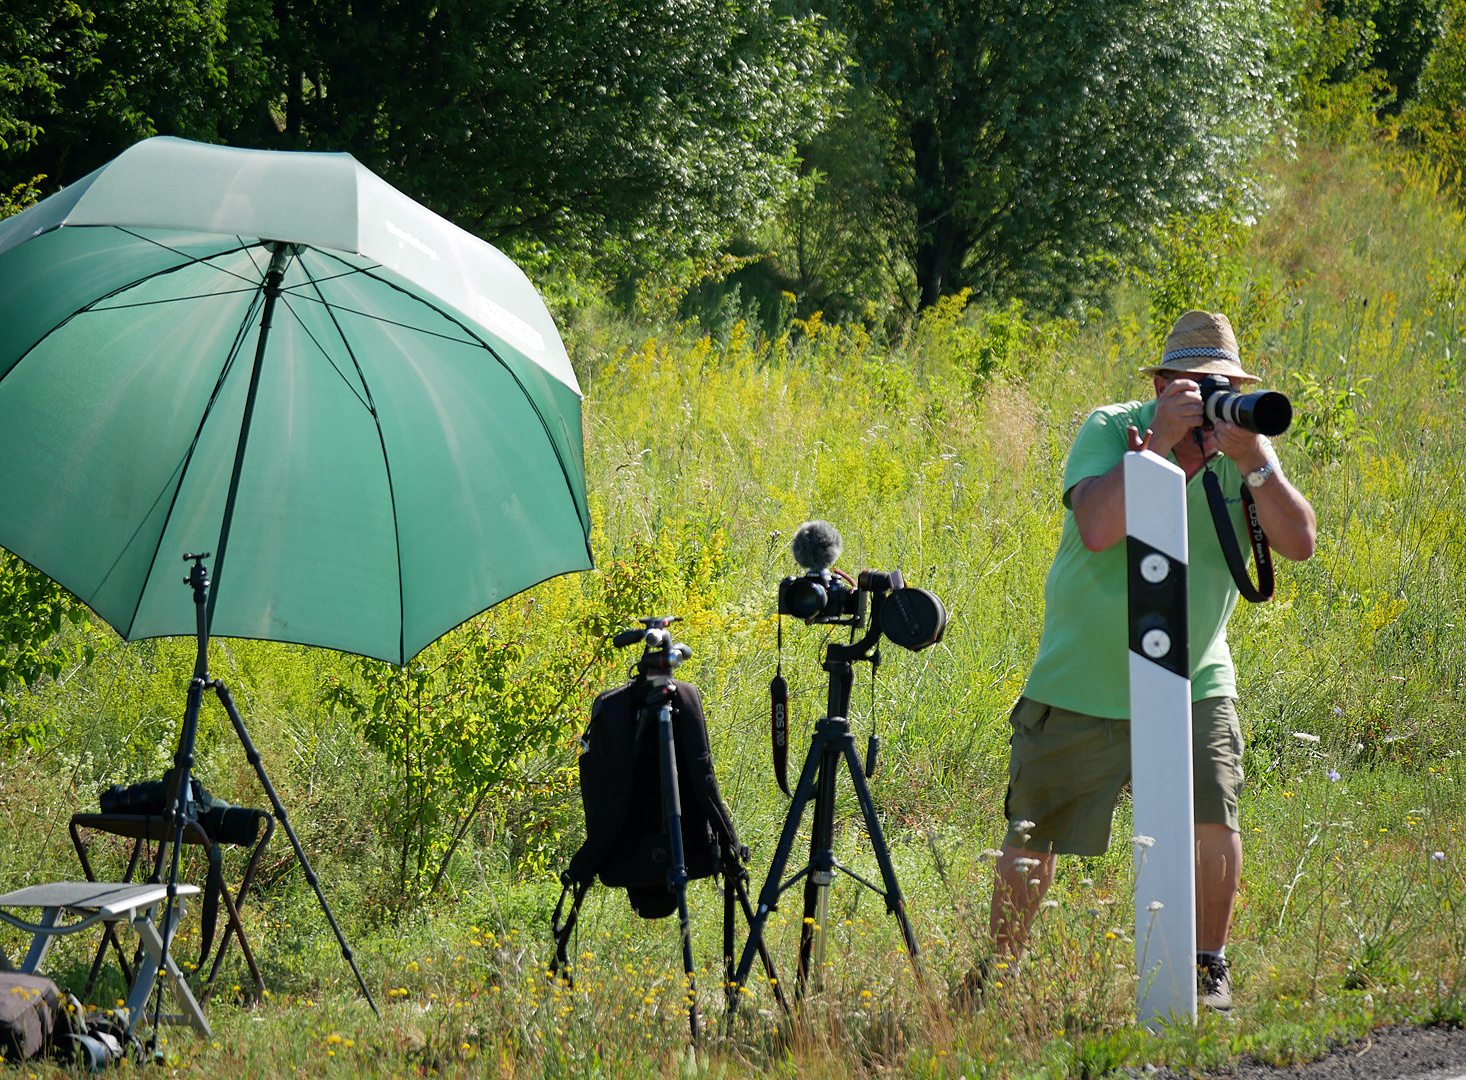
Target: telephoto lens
1266	412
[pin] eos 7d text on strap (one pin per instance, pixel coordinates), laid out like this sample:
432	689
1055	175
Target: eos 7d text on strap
1231	550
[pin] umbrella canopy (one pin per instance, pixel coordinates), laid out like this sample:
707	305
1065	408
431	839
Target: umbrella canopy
363	411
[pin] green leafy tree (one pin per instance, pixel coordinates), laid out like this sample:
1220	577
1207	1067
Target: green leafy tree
637	129
1037	141
1435	121
625	124
83	80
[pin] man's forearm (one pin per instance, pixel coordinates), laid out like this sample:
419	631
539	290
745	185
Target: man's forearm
1098	503
1287	518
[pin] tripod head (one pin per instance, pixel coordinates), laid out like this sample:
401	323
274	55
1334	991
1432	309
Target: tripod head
662	655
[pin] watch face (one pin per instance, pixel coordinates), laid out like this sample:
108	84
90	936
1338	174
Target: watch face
1257	477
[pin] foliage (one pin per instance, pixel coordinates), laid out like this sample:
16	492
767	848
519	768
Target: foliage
33	609
98	77
631	128
452	724
1030	141
1436	120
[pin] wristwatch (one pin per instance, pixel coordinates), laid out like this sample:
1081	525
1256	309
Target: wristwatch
1257	477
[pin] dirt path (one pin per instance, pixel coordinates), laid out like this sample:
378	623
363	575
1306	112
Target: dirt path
1393	1053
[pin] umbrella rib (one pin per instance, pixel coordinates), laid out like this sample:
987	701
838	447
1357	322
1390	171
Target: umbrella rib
194	260
382	442
182	470
316	342
169	300
335	277
87	307
391	322
564	470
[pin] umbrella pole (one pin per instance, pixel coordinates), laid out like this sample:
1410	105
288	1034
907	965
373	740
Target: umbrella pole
180	797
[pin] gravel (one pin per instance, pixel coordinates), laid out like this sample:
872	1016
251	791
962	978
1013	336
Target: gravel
1391	1053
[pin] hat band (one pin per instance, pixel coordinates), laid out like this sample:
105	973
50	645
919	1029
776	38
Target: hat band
1205	350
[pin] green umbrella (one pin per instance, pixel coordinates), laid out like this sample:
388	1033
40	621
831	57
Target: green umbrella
363	411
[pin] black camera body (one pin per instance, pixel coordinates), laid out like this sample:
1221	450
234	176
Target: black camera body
1266	412
822	596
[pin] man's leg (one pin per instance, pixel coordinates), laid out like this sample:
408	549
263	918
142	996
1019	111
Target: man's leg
1218	876
1022	879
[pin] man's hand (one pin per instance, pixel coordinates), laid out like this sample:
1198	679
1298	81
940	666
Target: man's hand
1136	441
1242	446
1177	412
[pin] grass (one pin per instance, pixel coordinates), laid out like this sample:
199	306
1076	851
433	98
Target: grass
941	456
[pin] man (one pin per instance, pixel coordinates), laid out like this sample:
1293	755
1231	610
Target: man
1070	753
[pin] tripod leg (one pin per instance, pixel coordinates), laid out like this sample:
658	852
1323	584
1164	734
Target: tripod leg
895	901
763	951
821	871
677	874
253	757
768	897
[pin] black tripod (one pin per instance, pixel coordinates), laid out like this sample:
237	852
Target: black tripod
661	657
180	796
832	742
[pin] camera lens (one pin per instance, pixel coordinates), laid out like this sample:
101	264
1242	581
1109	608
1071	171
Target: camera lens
1268	412
805	598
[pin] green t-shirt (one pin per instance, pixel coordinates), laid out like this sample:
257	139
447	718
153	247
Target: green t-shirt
1082	659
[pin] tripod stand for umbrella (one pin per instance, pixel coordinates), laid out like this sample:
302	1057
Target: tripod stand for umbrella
364	412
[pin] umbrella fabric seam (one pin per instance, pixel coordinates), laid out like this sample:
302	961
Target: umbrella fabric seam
371	404
92	306
182	470
554	449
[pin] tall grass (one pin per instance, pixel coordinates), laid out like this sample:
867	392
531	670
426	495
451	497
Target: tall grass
940	455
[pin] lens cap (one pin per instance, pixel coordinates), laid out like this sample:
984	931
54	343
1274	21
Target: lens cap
913	618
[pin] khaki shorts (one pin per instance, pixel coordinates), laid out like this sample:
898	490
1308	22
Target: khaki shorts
1066	771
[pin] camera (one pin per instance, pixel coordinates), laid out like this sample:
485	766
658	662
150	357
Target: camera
661	655
909	617
822	596
1266	412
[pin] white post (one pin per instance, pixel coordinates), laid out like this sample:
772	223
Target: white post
1160	741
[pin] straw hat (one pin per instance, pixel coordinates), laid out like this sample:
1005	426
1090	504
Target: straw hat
1202	342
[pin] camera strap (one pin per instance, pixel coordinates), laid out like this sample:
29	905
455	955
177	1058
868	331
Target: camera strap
779	716
1231	550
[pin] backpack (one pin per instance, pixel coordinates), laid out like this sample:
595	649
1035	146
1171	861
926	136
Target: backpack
626	840
627	844
37	1018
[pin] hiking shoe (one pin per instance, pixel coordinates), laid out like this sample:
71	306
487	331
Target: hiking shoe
1213	983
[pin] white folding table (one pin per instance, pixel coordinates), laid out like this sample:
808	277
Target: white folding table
107	902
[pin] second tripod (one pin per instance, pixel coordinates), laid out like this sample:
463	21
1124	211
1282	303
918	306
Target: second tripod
832	746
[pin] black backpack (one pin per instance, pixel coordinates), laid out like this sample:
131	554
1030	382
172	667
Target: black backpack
626	840
627	843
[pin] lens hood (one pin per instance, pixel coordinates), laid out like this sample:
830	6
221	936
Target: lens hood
913	618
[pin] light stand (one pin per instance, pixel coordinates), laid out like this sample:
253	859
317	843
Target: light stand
180	793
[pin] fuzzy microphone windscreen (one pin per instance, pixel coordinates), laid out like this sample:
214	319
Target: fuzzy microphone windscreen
816	545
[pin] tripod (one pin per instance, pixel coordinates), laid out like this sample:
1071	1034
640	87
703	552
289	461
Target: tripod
180	796
831	744
662	656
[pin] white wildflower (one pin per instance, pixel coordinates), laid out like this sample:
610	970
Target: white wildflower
1304	736
1154	905
1143	841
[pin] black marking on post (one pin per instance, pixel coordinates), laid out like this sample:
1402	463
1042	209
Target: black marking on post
1159	605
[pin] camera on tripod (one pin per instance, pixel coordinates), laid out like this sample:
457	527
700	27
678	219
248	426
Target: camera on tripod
662	655
1266	412
909	617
